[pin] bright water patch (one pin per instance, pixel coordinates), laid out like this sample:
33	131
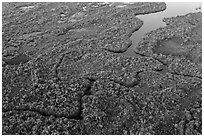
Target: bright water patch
154	21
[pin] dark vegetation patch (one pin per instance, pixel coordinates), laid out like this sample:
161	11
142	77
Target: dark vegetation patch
32	123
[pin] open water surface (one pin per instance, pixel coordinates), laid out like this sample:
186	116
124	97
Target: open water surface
154	21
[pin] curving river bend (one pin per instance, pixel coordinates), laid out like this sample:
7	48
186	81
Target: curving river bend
154	21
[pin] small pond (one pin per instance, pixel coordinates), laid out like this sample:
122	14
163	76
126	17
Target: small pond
21	58
154	20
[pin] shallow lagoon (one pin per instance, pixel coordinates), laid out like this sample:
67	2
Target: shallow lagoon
154	20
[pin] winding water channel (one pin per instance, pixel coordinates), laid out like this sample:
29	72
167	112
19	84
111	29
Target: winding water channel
154	21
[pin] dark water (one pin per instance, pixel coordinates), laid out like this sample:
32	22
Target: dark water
21	58
154	20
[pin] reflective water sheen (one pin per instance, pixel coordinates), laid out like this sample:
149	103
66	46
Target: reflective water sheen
154	20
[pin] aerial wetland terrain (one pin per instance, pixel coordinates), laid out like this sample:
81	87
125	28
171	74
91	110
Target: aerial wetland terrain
102	68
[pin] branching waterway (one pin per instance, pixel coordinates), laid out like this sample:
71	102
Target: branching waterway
154	21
